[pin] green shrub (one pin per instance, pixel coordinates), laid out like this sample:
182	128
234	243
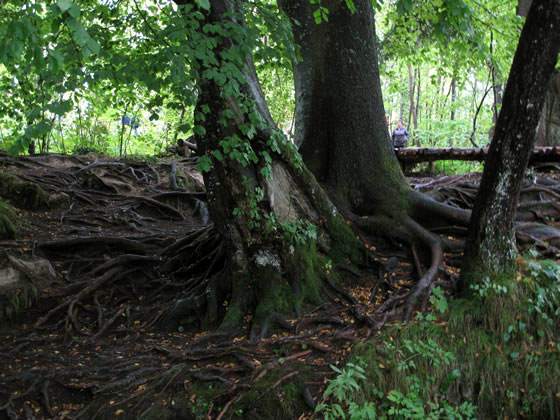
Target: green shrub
496	355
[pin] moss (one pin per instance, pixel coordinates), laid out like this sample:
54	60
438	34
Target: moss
308	269
23	194
269	399
8	221
14	302
233	318
345	245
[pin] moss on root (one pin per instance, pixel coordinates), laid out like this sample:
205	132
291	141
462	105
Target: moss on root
268	398
278	287
345	245
23	194
271	399
8	221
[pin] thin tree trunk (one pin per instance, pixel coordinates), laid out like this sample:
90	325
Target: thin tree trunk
453	97
181	118
490	249
412	120
418	85
121	137
496	82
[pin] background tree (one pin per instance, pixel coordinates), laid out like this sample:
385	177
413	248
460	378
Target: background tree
490	248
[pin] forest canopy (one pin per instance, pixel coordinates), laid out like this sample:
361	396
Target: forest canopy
78	68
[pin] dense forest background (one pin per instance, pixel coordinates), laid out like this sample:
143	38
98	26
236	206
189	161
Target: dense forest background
443	69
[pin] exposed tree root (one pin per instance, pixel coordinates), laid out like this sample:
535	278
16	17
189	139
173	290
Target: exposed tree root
422	288
125	266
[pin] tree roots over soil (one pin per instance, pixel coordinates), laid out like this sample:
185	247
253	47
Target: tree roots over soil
125	327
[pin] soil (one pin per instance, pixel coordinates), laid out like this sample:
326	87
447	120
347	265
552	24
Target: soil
98	342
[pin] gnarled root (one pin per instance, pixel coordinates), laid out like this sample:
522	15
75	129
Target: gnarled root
422	288
423	207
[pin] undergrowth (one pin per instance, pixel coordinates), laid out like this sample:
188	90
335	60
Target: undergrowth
7	221
496	355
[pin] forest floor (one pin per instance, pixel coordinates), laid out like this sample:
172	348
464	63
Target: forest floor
92	339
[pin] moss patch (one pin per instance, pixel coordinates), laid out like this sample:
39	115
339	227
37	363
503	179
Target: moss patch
345	246
8	221
269	398
23	194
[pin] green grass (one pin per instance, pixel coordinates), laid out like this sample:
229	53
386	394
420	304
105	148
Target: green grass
496	355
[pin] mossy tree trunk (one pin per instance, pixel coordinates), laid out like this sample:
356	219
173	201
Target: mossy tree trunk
341	129
7	221
490	249
340	116
267	206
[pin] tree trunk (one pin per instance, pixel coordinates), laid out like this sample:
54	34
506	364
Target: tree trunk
341	128
548	131
263	201
340	122
490	249
413	155
417	112
523	7
412	119
453	99
497	86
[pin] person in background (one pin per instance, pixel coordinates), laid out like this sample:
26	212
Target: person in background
399	136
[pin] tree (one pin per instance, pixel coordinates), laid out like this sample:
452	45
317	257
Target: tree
490	249
548	129
340	125
270	211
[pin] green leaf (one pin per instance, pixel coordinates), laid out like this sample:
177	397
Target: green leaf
205	164
64	5
203	4
218	155
60	107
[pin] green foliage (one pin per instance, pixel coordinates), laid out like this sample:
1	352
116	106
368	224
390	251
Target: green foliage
469	358
69	71
299	232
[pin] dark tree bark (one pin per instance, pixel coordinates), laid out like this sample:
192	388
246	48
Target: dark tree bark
340	117
490	248
412	83
548	131
341	127
258	214
418	86
523	7
453	99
